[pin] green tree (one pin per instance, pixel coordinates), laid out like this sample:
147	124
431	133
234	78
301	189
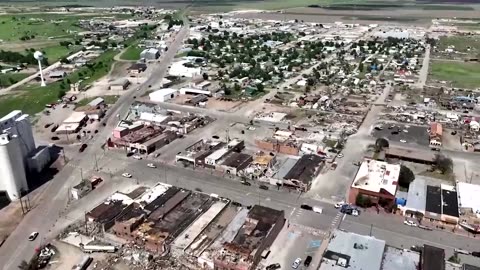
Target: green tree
260	87
443	164
362	200
406	176
61	93
380	144
237	87
360	67
454	258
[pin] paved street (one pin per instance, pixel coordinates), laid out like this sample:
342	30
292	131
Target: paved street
43	215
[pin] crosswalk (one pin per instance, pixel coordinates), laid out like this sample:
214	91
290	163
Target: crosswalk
336	220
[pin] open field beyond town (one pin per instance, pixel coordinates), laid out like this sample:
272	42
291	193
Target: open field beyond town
459	74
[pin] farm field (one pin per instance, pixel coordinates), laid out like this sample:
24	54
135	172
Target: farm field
459	74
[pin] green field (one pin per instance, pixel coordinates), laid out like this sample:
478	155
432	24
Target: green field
38	26
132	53
461	43
32	98
460	74
54	53
11	78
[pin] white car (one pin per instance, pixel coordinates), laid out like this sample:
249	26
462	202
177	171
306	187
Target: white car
355	213
296	263
32	236
410	223
403	141
137	157
151	165
339	204
126	175
340	155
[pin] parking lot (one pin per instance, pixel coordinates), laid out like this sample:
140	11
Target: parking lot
296	241
401	133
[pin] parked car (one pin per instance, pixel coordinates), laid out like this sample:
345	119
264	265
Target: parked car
82	148
137	157
340	155
307	261
339	204
151	165
296	263
416	248
273	266
263	187
410	223
126	175
454	132
403	141
462	251
306	207
246	183
475	253
32	236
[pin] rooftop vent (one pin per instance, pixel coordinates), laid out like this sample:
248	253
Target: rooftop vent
342	262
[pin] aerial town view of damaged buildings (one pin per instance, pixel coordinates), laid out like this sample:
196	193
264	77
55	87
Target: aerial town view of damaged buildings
147	138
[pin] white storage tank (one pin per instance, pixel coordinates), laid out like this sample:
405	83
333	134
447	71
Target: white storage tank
12	172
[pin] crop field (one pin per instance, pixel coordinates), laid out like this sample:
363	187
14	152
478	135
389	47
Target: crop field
460	74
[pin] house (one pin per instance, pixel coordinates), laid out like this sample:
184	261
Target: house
120	84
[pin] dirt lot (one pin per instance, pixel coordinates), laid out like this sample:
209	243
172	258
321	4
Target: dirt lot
212	103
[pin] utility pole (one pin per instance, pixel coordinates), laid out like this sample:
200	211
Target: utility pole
371	229
165	174
81	174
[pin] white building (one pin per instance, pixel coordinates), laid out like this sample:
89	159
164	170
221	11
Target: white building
163	95
12	171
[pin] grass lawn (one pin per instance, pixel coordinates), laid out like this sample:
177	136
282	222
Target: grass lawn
108	100
11	78
33	98
461	43
132	53
460	74
54	53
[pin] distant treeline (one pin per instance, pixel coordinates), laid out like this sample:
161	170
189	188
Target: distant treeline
18	58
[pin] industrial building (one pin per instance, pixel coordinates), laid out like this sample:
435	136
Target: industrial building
376	180
73	123
163	95
150	54
120	84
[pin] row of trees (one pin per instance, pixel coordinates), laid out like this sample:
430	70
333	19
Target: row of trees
19	58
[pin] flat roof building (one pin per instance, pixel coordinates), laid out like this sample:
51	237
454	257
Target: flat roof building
442	204
348	250
256	235
433	258
416	198
303	172
376	179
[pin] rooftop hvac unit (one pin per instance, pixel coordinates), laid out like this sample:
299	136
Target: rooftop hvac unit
342	262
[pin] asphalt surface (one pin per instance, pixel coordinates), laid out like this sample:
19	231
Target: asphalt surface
44	214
